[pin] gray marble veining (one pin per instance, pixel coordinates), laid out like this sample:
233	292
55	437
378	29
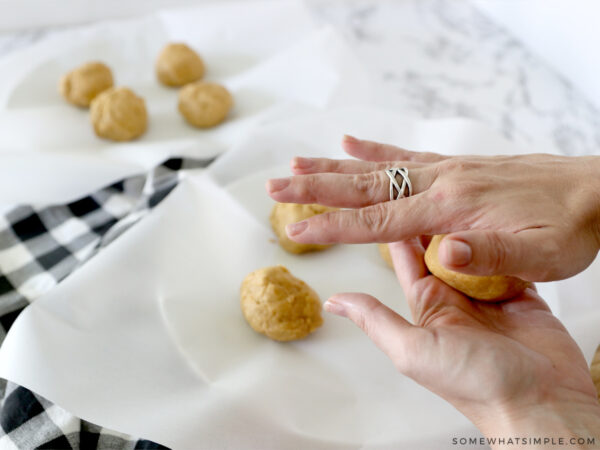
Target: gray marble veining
437	58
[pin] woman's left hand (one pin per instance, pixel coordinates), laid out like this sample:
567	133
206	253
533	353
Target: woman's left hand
533	216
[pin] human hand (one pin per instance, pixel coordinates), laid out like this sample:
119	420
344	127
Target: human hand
511	368
534	216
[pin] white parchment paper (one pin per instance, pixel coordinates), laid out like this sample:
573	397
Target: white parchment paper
148	337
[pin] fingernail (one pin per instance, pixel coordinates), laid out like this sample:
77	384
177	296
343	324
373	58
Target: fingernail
294	229
349	139
333	307
458	252
302	163
277	184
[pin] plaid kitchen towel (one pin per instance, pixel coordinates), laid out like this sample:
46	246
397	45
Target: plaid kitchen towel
39	246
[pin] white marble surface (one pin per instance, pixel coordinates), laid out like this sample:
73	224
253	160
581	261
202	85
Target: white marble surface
435	58
439	58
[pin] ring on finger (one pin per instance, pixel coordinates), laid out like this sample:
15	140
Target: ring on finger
398	190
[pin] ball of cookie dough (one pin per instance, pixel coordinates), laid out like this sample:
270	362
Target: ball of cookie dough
81	85
203	104
178	65
279	305
119	114
492	288
283	214
384	251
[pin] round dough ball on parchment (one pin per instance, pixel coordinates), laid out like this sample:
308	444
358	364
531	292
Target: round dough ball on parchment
279	305
491	288
119	114
177	65
204	104
82	84
283	214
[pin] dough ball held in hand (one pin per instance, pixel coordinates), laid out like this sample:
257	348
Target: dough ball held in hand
203	104
178	65
81	85
490	288
284	214
119	114
279	305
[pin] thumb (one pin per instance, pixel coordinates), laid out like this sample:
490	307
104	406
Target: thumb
395	336
527	254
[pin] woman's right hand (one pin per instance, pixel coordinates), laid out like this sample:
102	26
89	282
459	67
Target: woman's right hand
533	216
512	368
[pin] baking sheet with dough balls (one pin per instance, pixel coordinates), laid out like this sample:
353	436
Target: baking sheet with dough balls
177	65
595	370
284	214
82	84
204	104
384	251
279	305
119	114
491	288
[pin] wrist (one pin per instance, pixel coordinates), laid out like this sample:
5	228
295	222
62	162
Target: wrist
573	425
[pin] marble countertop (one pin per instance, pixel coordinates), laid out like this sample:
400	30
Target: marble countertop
435	58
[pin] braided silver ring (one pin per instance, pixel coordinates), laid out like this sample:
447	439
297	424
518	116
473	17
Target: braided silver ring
396	190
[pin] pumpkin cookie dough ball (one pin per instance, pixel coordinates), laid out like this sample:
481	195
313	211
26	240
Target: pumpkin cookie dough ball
119	114
279	305
178	65
81	85
384	251
204	105
493	288
283	214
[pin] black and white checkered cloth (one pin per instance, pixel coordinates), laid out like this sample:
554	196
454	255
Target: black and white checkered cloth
39	246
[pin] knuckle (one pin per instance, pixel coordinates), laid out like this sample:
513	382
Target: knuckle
425	300
366	316
369	186
330	220
449	315
334	166
456	191
437	194
432	157
309	187
361	183
375	218
499	254
328	225
456	165
447	165
425	293
378	147
462	189
361	322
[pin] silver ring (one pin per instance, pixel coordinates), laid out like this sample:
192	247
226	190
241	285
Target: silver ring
396	190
